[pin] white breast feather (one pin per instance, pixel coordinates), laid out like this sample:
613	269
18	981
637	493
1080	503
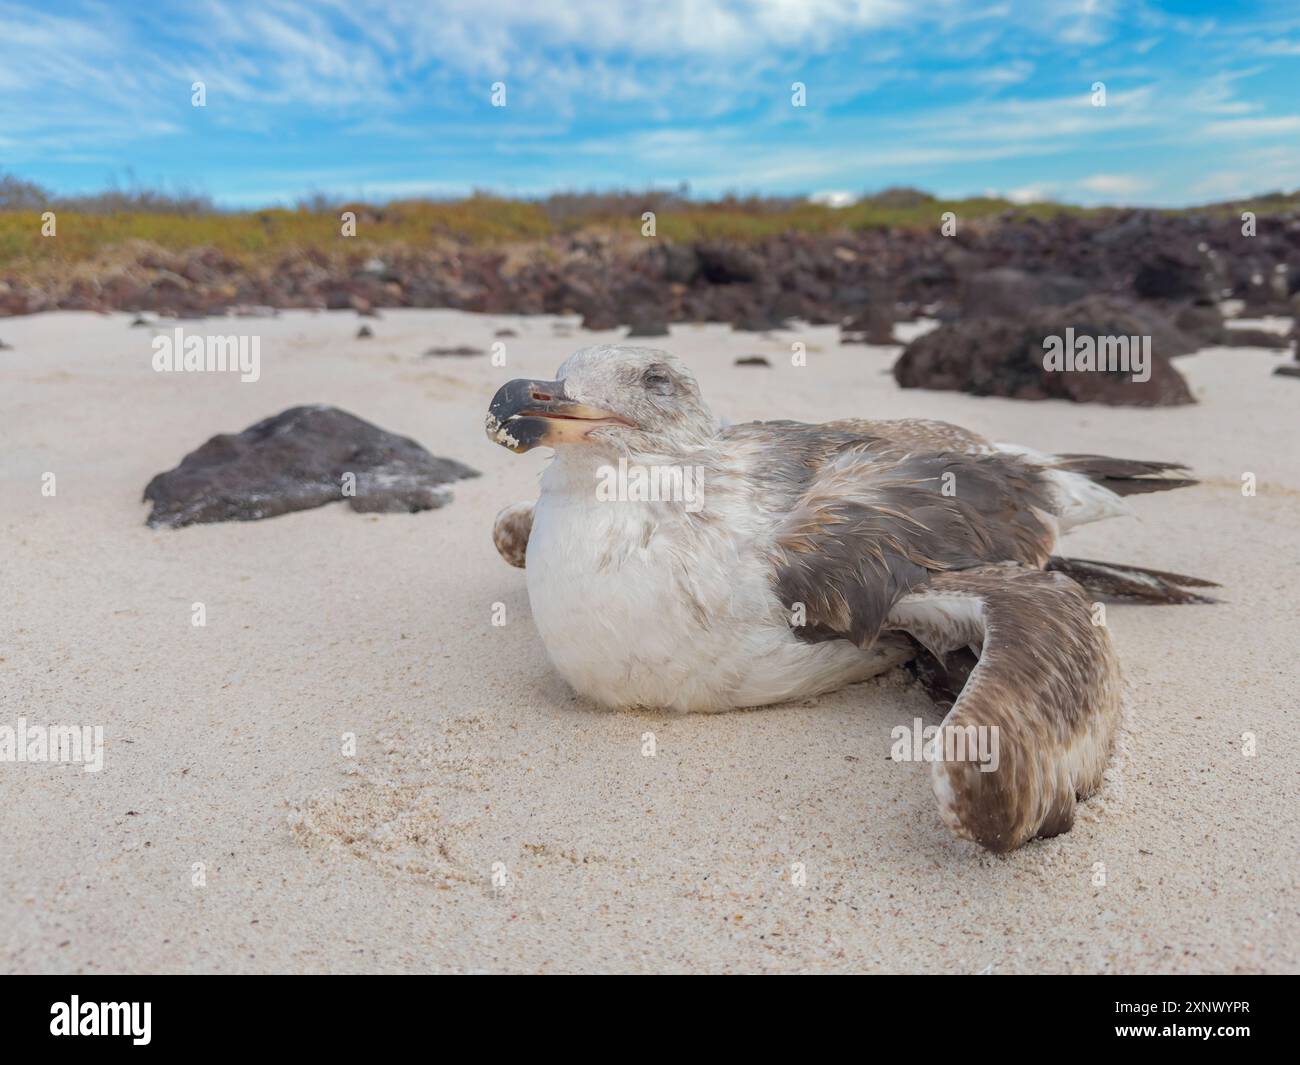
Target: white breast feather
608	587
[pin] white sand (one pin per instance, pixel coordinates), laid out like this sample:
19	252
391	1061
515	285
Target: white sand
223	742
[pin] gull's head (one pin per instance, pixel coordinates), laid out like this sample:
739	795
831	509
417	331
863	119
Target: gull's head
630	399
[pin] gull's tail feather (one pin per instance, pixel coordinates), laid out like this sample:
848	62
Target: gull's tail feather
1131	582
1125	477
1040	708
1087	488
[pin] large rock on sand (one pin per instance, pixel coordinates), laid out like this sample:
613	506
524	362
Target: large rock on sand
1006	356
298	459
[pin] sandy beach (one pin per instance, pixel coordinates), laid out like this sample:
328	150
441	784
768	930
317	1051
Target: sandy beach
492	821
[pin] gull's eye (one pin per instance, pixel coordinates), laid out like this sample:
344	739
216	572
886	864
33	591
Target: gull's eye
657	380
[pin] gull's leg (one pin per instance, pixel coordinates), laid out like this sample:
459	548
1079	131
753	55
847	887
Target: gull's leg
942	679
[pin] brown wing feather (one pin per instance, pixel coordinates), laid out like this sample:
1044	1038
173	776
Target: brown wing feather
1047	684
919	434
876	521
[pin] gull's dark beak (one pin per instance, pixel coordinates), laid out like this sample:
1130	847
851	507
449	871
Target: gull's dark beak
527	414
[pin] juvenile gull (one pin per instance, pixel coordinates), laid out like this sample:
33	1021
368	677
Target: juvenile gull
816	556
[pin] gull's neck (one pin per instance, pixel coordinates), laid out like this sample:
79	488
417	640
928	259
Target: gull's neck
711	486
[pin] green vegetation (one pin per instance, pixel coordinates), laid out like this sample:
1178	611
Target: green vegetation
90	228
478	220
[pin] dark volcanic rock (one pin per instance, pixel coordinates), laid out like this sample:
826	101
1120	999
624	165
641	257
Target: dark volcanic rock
648	326
875	325
761	321
600	319
874	309
641	303
1098	316
878	333
1254	338
296	460
1004	266
1201	323
461	351
1204	326
722	263
1007	291
678	264
1005	356
1172	275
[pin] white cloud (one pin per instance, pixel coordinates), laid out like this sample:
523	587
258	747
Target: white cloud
1012	73
1280	48
1272	168
1253	127
833	198
471	33
1114	184
1029	194
603	91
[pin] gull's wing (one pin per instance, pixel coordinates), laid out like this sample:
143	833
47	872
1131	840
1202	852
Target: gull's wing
862	521
1044	700
948	547
917	434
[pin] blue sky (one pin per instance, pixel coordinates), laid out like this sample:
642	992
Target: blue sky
382	100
